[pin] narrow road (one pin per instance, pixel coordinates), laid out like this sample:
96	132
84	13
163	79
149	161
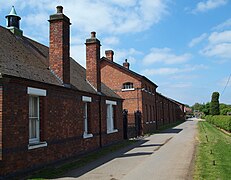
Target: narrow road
167	155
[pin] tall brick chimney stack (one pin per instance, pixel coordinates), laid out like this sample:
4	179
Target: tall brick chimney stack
93	61
59	51
109	54
126	64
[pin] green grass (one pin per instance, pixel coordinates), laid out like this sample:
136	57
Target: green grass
55	172
217	149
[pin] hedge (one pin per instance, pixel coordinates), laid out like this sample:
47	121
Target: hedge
220	121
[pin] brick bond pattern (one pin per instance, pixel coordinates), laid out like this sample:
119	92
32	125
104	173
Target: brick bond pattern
157	110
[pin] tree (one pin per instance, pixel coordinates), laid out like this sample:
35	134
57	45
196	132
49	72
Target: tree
214	105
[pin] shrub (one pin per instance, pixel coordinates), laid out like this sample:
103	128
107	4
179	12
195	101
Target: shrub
214	105
220	121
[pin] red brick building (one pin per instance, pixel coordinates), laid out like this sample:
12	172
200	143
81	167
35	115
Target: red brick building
140	95
51	108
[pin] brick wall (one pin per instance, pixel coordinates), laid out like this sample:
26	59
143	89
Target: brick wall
61	121
156	110
114	79
1	101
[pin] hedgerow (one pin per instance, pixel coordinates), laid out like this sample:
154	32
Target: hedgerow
220	121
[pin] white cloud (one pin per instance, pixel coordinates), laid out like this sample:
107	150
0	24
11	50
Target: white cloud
172	71
124	2
204	6
222	26
111	40
110	18
197	40
183	77
122	54
220	37
165	56
219	45
221	50
78	52
100	14
115	17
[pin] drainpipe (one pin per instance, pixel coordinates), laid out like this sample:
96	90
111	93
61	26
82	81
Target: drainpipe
100	122
156	113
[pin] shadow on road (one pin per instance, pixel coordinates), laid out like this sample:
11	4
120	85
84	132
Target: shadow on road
150	145
171	131
135	154
118	154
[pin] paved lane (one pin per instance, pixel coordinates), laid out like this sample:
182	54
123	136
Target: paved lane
167	155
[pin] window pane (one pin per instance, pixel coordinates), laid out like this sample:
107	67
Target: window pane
33	106
108	118
32	129
128	85
85	118
33	118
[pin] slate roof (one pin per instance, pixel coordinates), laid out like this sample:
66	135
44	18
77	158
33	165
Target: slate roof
128	70
25	58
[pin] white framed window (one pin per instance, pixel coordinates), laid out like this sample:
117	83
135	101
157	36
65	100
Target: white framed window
110	116
86	116
34	117
128	86
34	120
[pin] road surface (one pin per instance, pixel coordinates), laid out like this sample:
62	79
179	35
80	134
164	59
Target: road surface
164	156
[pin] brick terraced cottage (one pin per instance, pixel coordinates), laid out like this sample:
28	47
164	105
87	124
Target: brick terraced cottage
51	108
154	109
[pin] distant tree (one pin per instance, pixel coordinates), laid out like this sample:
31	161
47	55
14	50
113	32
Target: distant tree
224	109
206	108
214	105
197	106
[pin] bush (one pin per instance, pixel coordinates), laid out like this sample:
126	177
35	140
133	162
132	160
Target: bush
220	121
214	105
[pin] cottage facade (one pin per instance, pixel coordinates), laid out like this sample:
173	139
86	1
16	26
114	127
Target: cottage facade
51	108
139	95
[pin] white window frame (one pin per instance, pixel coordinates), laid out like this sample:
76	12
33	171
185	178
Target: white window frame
37	131
86	101
110	117
35	142
127	86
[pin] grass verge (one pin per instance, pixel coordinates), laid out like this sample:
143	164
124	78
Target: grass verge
213	156
55	172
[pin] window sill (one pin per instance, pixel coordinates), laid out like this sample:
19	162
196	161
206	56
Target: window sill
37	145
131	89
112	131
85	135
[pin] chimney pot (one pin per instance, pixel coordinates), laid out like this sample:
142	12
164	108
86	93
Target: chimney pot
59	9
93	34
126	64
109	54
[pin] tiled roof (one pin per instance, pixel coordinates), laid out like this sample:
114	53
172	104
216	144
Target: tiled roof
25	58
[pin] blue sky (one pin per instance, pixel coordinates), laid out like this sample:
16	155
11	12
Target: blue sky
183	46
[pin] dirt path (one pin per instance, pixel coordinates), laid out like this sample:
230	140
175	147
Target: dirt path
167	155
